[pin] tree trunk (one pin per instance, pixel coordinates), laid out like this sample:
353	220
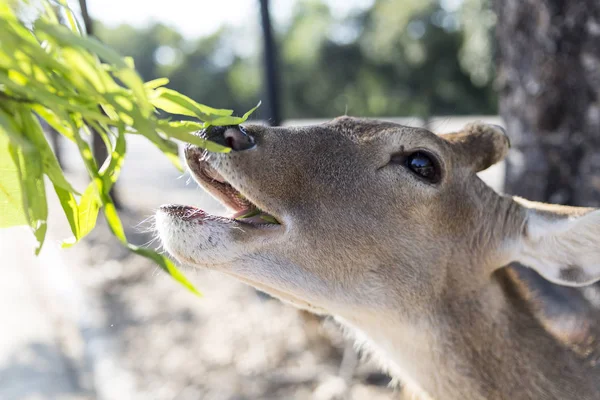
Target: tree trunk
549	80
271	75
98	147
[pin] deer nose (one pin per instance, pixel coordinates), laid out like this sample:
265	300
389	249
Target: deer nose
235	137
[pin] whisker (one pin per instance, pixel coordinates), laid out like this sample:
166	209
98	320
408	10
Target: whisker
147	225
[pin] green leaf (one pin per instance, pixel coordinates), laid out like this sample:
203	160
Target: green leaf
71	210
70	16
156	83
181	131
76	83
166	265
85	68
269	218
8	127
87	156
252	213
130	78
11	197
111	173
114	222
177	103
116	227
122	70
148	128
87	210
182	126
54	121
31	178
230	120
42	96
66	38
249	112
50	14
34	131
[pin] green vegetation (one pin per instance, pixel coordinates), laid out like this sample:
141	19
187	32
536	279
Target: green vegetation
389	58
76	84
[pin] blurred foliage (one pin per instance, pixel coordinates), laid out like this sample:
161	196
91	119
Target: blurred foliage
392	58
49	71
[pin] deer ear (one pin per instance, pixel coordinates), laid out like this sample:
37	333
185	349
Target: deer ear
561	243
479	145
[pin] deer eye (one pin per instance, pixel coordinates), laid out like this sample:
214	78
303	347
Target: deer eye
421	164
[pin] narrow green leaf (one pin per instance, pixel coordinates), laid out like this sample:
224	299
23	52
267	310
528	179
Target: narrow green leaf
30	172
54	121
8	127
252	213
116	227
230	120
269	218
147	127
89	205
156	83
169	148
87	156
182	132
67	38
70	208
166	265
182	126
42	96
130	78
249	112
34	132
50	14
70	17
177	103
84	68
114	222
11	197
56	74
111	173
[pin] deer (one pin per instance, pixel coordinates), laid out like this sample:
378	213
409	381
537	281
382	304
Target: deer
457	291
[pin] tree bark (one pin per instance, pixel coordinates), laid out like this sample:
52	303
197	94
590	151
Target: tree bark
548	59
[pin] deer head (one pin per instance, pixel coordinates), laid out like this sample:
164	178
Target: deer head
371	214
357	218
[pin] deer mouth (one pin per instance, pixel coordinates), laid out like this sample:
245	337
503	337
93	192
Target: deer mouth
243	211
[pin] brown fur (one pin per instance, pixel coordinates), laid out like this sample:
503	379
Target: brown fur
414	269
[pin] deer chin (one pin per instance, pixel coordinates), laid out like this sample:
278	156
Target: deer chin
195	237
223	244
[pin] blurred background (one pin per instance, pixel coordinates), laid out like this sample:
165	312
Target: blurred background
371	58
95	322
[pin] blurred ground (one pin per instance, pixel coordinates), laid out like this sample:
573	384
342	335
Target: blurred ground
95	322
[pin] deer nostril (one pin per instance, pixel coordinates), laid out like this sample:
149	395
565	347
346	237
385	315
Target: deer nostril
229	142
234	136
238	139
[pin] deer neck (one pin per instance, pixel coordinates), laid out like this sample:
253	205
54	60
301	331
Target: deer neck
488	346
